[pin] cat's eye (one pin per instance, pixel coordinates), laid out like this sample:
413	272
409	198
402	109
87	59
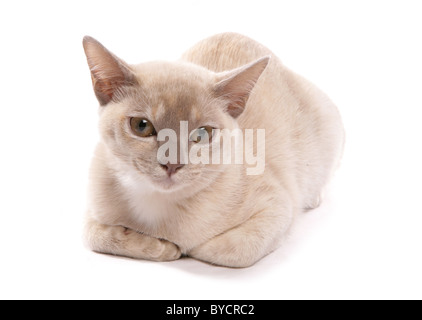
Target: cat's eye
202	134
142	127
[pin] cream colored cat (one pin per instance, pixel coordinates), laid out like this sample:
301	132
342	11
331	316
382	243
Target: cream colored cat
143	208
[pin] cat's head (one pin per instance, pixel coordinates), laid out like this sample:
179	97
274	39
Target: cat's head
141	106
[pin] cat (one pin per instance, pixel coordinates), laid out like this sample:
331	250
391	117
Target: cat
141	207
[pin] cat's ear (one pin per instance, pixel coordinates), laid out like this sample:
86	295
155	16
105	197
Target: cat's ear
109	73
235	86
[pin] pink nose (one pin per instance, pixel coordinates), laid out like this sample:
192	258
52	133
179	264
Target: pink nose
171	168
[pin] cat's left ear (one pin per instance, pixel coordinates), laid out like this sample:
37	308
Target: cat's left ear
235	86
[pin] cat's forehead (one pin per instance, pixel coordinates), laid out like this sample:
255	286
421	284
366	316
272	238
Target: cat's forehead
173	75
173	92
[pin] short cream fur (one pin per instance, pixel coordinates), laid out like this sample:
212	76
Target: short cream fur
214	213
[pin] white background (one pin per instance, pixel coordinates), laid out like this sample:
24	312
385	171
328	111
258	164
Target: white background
363	242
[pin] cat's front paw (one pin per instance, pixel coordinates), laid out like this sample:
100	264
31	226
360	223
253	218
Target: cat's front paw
169	251
143	246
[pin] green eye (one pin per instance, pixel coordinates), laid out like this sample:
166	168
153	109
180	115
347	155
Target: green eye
202	134
142	127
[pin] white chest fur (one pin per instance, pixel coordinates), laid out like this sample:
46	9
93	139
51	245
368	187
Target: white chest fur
147	206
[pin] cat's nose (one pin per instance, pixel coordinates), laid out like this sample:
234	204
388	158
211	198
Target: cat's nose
171	168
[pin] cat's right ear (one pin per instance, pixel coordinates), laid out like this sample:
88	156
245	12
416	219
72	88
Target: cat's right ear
109	73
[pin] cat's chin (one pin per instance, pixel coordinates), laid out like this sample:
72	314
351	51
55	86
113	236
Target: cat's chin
167	185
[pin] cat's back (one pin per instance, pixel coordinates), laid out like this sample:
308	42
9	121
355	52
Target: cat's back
225	51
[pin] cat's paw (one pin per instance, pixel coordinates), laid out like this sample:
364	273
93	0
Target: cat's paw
315	202
169	251
142	246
